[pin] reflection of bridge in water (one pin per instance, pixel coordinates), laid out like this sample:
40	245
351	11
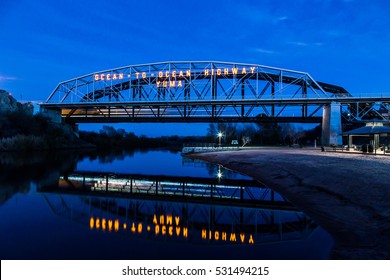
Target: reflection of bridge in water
182	222
235	192
177	209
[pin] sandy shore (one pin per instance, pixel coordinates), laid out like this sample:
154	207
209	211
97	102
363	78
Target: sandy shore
347	194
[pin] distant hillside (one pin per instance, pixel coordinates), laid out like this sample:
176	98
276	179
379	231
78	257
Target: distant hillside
21	130
9	104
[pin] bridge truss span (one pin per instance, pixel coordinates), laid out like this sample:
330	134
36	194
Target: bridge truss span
203	91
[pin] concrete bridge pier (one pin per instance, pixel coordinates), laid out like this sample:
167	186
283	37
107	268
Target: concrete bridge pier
331	125
53	114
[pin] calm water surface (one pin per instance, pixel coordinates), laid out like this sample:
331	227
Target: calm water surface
145	205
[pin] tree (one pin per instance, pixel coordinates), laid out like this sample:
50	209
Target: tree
269	133
228	130
245	140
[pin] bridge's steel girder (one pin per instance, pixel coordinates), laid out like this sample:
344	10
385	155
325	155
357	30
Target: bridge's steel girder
204	92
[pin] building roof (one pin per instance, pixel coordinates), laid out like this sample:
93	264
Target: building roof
369	130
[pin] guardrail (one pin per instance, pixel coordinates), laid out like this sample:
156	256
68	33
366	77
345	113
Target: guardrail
207	147
362	149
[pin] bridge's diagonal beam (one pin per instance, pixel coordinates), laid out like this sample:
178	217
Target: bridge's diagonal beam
266	218
206	89
264	194
237	112
232	90
68	91
233	215
236	85
365	110
359	110
285	106
281	111
376	112
251	88
208	111
313	89
250	110
265	110
267	76
347	114
219	216
316	110
127	112
317	85
263	90
221	86
145	94
198	93
193	110
299	89
100	111
71	112
221	110
251	195
174	93
181	113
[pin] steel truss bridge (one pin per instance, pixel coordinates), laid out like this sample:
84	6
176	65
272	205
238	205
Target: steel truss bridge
205	91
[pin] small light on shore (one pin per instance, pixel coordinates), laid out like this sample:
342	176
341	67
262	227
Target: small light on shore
220	135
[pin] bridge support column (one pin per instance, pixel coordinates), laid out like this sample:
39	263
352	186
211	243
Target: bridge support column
350	143
331	125
52	114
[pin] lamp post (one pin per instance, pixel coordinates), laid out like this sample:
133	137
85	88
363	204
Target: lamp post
219	137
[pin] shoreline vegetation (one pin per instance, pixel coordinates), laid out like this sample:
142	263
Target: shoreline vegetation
21	130
346	194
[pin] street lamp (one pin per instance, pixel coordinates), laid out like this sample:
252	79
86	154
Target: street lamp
220	136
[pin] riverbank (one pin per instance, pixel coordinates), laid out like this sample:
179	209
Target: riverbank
347	194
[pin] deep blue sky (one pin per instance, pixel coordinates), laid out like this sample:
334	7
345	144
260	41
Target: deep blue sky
45	42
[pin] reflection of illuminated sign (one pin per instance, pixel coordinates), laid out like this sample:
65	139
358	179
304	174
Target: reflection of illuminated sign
174	78
104	224
168	225
227	236
162	225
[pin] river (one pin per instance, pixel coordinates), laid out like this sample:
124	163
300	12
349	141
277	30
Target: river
149	204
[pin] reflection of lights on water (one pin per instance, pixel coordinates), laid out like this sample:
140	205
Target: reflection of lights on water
162	225
168	225
219	173
227	236
137	228
104	224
